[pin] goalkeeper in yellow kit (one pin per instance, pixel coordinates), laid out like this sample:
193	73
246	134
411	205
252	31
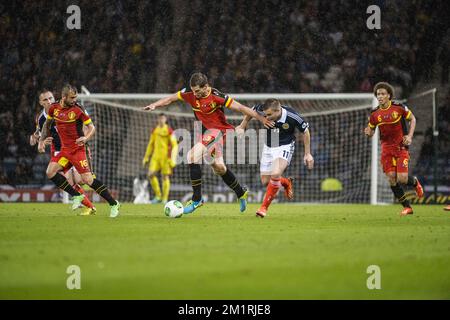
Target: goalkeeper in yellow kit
162	153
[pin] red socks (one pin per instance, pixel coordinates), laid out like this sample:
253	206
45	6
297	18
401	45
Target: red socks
86	202
271	192
284	182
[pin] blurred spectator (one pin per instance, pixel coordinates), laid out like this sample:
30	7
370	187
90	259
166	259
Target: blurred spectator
425	161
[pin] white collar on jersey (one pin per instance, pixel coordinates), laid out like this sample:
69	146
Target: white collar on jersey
283	115
44	113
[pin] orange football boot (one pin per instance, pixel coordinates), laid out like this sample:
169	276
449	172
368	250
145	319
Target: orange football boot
289	190
261	212
406	211
419	189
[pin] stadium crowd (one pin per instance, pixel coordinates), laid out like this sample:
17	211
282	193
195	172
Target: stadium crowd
425	162
243	46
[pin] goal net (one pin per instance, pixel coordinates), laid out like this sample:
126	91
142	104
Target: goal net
346	162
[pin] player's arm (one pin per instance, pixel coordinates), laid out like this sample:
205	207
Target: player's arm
44	138
240	129
308	159
368	131
371	126
236	106
149	150
245	122
88	130
412	126
303	127
162	102
174	154
34	137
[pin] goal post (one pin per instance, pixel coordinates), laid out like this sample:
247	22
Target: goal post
423	105
346	169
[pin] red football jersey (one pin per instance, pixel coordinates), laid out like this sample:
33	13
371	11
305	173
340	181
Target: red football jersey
69	123
209	110
392	123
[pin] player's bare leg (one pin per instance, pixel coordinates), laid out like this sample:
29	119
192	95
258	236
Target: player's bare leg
265	179
194	158
103	191
155	186
54	174
76	181
447	207
278	167
219	168
399	193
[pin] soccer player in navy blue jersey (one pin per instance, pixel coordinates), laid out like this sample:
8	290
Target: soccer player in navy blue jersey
279	148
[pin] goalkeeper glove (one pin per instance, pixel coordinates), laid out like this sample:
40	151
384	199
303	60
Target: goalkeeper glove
172	163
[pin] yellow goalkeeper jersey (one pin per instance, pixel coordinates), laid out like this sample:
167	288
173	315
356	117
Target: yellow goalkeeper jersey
162	144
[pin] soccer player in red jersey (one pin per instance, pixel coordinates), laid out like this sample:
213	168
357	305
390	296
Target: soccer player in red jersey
390	117
46	99
208	105
70	118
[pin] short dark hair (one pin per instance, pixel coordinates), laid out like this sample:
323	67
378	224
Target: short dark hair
67	89
42	91
271	104
384	85
162	115
198	79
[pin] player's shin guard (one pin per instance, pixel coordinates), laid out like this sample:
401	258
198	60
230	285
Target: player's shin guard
86	202
400	195
166	189
61	182
232	182
196	181
271	191
102	190
155	186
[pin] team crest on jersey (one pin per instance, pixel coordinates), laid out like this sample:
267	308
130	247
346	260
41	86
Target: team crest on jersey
213	105
395	115
285	126
71	115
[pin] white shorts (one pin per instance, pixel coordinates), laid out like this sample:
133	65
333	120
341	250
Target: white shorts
270	154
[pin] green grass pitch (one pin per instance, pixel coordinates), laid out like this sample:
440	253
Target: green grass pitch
297	252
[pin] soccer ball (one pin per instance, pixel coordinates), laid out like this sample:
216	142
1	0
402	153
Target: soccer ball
173	209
